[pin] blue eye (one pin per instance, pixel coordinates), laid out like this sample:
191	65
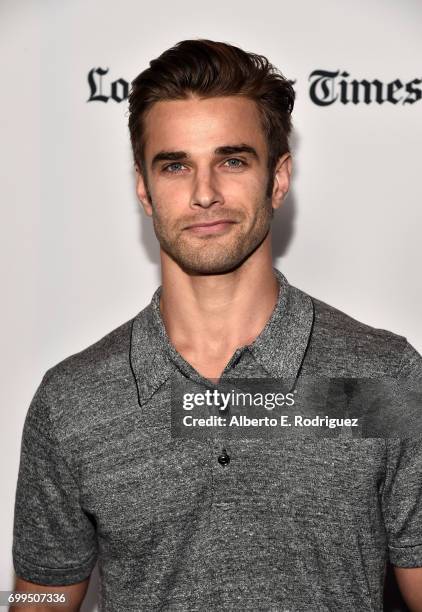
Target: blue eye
234	163
173	168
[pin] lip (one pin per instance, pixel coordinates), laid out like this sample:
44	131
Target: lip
211	226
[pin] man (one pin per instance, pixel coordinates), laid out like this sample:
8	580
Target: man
187	524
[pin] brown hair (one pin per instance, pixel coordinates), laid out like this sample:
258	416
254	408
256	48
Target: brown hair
208	69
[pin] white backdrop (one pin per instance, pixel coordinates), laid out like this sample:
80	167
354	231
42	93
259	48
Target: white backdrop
78	257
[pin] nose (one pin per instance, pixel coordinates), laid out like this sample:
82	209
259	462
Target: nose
206	191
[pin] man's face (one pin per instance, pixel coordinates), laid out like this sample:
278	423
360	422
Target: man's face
205	181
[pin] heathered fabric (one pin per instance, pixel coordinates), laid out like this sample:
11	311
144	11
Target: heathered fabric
302	525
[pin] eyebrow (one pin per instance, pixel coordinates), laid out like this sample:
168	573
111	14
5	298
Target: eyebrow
224	150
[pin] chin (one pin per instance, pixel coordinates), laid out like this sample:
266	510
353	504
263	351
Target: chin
213	259
208	266
210	263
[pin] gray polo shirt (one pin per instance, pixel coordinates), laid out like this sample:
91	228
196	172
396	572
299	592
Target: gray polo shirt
298	525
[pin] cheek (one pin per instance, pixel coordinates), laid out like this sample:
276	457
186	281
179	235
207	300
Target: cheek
246	194
168	214
171	194
251	186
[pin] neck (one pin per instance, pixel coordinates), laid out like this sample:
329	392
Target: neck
208	317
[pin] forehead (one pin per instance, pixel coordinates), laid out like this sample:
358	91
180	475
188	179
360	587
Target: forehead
202	124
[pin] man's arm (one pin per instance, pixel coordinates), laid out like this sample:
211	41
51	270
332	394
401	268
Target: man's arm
402	504
409	580
75	594
54	539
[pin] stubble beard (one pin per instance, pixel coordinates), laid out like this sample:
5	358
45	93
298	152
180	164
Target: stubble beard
211	255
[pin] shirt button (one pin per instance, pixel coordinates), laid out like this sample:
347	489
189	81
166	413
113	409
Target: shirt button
224	458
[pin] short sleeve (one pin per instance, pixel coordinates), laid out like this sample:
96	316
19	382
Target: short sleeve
54	540
402	494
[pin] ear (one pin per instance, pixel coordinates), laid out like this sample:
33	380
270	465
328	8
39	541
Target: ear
282	173
142	192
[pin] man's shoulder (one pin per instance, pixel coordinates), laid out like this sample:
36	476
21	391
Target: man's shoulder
102	358
337	323
84	378
342	342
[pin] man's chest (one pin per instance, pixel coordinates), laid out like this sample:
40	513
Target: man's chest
137	480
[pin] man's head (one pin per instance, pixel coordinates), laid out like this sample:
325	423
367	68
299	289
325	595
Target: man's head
209	126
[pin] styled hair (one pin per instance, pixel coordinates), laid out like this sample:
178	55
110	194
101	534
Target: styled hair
207	68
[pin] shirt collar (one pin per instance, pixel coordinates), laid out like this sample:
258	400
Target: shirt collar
280	348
